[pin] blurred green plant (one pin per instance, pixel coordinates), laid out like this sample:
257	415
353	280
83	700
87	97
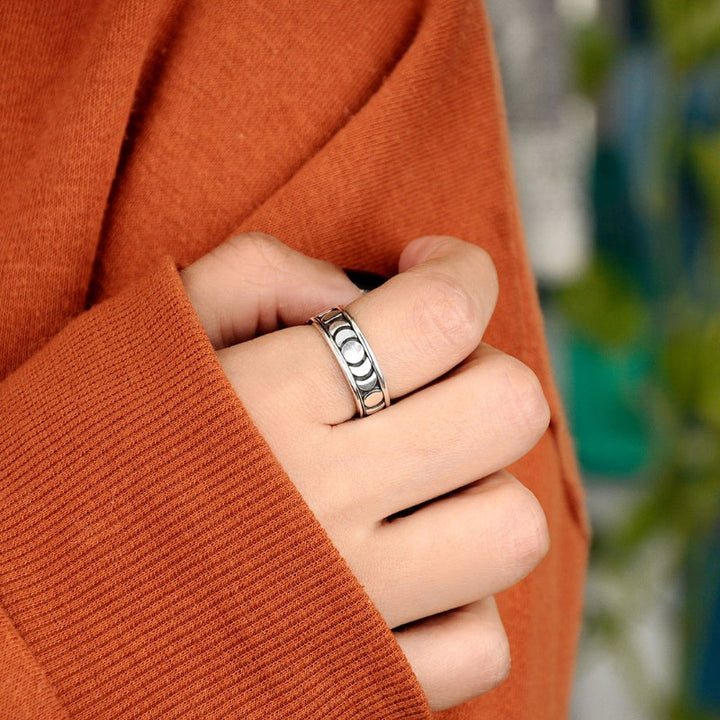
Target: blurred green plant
704	155
677	319
605	305
594	48
689	30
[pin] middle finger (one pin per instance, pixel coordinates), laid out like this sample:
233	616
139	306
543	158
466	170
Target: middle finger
482	418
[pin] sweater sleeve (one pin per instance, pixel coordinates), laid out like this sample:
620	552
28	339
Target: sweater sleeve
155	560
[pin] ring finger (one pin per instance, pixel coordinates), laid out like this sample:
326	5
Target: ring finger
485	416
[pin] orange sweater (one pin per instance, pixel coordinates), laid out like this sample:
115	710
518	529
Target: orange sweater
155	560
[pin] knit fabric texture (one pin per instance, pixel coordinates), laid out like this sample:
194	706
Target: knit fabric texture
155	559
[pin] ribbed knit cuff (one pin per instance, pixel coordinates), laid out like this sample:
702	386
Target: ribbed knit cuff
153	554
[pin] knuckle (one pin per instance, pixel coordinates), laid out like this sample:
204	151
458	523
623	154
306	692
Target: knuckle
258	239
253	247
447	311
528	536
479	264
496	660
443	245
486	269
523	398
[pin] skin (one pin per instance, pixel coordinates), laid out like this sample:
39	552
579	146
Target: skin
462	411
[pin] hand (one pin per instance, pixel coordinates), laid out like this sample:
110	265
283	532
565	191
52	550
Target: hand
461	412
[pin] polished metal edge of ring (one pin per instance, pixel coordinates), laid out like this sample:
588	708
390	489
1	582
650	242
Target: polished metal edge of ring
355	358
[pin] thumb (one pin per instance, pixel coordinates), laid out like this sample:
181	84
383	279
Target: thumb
253	284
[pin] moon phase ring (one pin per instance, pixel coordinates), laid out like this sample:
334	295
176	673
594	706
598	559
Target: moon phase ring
355	358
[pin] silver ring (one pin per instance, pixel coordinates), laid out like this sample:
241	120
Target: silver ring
355	358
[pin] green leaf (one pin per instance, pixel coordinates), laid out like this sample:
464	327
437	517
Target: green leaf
605	306
595	49
689	30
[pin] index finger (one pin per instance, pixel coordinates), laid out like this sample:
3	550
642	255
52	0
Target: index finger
426	320
419	325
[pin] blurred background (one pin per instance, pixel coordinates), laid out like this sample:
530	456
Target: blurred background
614	110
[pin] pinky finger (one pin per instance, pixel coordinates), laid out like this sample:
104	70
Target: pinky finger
458	654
